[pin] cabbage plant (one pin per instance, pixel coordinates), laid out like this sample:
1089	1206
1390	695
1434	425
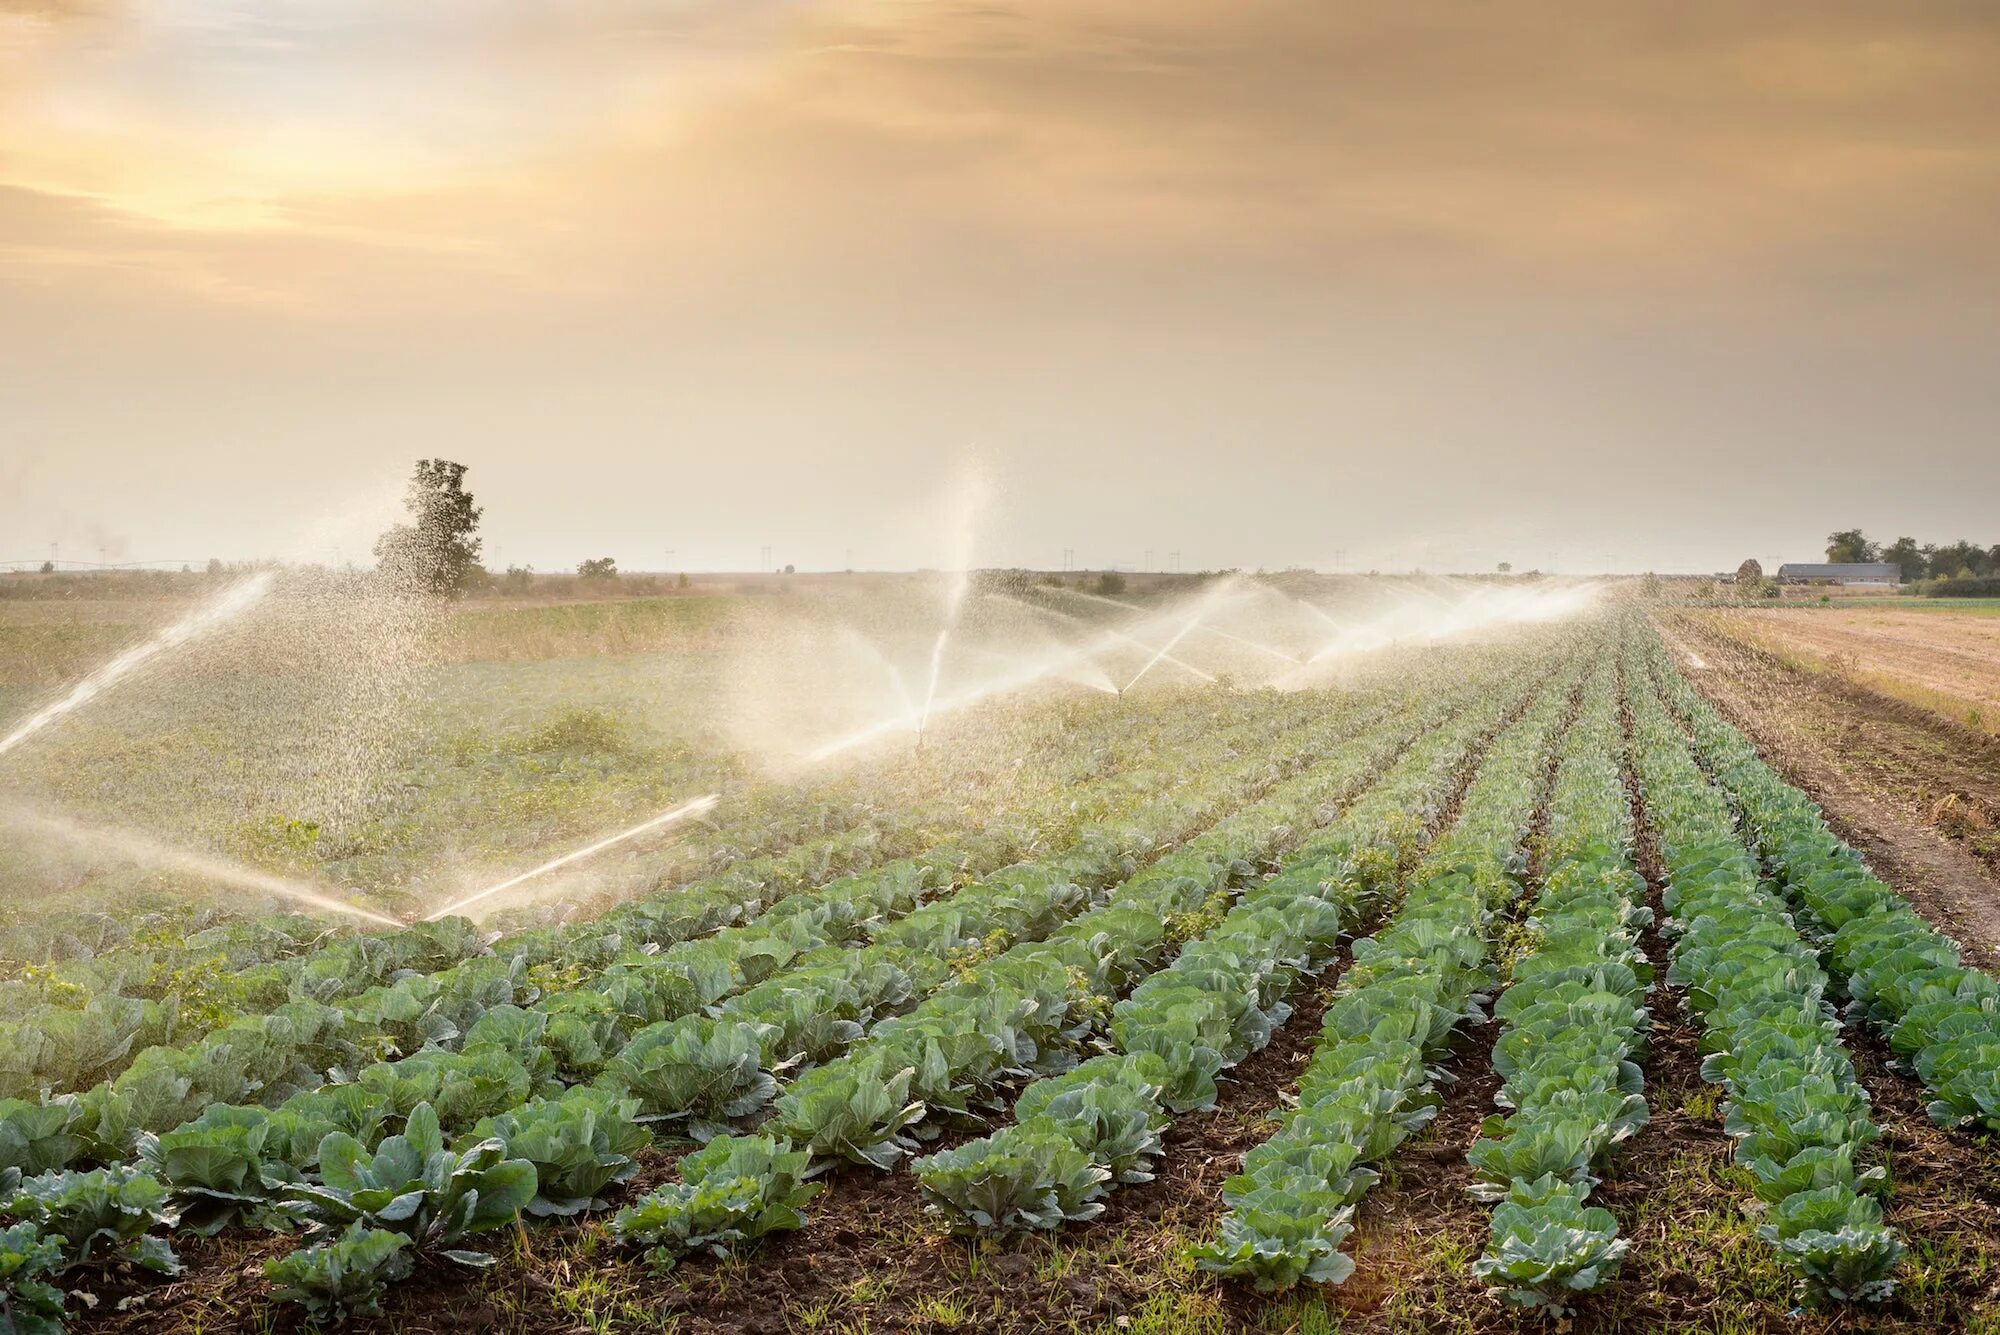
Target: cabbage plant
734	1190
29	1303
412	1184
341	1276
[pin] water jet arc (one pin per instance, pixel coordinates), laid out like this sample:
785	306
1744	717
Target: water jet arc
681	812
233	601
149	851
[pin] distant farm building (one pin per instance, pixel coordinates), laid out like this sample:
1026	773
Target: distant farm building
1841	572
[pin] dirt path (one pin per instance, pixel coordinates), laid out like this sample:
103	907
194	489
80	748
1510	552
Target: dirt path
1918	797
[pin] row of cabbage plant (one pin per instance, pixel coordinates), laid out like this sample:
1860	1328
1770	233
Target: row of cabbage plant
73	1019
466	1026
95	1032
721	1022
1572	1020
1902	977
1078	1135
250	1165
1409	987
711	1070
1034	1009
1799	1116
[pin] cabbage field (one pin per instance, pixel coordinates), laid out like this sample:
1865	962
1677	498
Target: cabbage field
1503	986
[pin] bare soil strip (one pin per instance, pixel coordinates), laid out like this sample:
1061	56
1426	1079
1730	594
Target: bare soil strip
1918	796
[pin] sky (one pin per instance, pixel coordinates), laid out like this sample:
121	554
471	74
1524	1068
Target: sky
1570	285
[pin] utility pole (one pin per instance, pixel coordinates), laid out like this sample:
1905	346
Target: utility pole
764	557
1174	561
1069	559
1147	564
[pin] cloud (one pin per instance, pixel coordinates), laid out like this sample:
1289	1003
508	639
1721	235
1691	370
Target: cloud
1841	154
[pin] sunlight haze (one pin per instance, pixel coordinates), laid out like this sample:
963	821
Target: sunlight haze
1263	283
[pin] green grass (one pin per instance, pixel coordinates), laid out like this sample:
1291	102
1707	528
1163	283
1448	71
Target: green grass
490	766
487	630
1987	607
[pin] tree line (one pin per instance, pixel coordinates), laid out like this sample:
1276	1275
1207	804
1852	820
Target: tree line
1951	560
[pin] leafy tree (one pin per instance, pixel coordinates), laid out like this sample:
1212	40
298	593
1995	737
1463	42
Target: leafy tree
1958	559
1850	545
215	565
48	567
1750	574
599	567
1110	584
1506	567
1907	555
438	552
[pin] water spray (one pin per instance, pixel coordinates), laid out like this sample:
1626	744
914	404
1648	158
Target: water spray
233	601
1113	633
986	690
1438	617
1216	631
1179	635
665	818
147	850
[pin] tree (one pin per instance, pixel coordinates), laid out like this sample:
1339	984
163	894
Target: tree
1909	557
1110	584
1506	567
601	567
438	551
1850	545
1750	575
48	567
1959	559
215	565
790	569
